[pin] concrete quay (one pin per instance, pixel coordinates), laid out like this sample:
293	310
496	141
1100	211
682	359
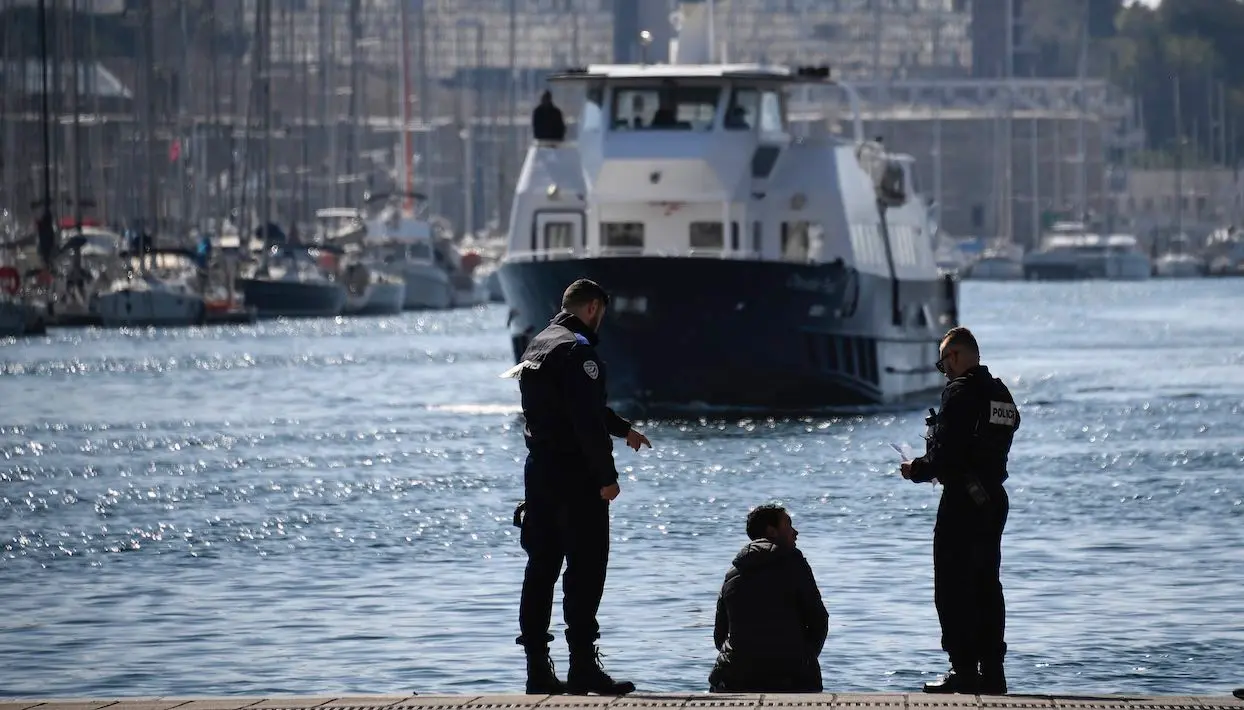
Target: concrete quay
665	701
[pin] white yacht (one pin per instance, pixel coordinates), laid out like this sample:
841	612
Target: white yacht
1178	262
158	288
750	267
371	287
404	242
1070	252
1225	249
1000	261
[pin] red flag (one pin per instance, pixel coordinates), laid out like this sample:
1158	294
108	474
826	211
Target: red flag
174	150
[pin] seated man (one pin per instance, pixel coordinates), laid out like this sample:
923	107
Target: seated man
771	623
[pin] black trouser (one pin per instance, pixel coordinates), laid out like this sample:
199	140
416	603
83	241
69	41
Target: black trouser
732	675
967	591
577	531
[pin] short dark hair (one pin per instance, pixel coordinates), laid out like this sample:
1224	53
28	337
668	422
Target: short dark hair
961	337
763	517
582	292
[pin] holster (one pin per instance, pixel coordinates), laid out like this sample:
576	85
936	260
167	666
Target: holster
519	511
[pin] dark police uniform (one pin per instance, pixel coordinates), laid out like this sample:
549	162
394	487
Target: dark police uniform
569	459
968	444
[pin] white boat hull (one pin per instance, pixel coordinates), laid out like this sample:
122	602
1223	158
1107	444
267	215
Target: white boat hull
126	307
995	269
381	298
427	286
1172	267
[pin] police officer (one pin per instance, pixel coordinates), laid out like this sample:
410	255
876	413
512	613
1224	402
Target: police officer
968	443
569	480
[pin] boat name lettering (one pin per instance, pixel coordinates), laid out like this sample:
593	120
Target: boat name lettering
813	284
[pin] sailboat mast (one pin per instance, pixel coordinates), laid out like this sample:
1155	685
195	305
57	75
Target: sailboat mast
403	47
75	130
46	235
1179	162
153	197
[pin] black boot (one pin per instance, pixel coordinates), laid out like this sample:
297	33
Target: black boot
992	679
587	675
541	678
957	680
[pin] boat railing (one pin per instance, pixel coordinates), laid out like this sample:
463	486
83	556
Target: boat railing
622	252
540	143
558	254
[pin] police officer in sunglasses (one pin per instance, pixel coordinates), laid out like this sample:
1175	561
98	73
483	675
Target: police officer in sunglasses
968	443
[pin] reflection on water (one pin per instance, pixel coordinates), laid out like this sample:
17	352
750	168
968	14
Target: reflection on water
324	507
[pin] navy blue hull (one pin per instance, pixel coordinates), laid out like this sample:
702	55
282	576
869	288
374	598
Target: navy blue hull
694	334
272	299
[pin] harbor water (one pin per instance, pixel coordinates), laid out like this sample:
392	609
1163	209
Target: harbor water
324	506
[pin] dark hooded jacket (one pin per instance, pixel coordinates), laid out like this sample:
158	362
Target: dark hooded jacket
771	623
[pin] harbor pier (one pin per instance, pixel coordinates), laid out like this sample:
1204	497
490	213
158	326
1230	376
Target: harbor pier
665	701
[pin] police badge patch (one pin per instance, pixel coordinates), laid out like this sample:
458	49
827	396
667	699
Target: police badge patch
591	369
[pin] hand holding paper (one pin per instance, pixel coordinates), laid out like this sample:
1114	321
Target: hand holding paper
903	450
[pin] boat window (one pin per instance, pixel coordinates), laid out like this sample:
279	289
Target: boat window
622	235
771	120
665	107
801	241
743	109
591	116
558	235
707	235
757	236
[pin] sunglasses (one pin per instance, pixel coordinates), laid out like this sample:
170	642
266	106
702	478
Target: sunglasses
941	362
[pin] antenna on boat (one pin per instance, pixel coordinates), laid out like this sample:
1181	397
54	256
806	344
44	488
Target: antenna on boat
645	39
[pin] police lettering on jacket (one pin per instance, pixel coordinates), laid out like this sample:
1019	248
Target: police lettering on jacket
972	433
568	423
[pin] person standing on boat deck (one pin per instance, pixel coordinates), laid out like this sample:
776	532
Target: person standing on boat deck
968	443
569	480
547	123
771	624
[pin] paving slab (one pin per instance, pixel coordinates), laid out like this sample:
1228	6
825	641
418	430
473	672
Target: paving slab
644	701
218	703
145	704
366	702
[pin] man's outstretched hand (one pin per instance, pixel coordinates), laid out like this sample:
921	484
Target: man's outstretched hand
635	440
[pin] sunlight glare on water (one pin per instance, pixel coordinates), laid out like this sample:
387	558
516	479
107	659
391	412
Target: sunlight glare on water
324	507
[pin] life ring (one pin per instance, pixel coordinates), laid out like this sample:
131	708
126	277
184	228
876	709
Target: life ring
10	280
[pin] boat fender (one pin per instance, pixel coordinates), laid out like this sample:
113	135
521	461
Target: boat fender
10	280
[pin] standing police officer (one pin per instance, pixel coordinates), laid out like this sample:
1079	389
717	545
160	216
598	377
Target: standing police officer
569	480
968	443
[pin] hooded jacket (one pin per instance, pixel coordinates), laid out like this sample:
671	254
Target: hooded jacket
770	617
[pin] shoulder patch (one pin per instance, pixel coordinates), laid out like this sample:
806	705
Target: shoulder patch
591	368
582	339
1002	413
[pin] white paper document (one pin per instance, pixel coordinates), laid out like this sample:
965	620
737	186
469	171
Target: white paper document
903	450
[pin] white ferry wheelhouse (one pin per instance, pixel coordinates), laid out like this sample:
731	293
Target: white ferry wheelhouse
749	268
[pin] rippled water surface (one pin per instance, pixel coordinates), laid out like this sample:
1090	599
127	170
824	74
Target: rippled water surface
324	507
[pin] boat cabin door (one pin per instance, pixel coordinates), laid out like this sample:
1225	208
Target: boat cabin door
558	234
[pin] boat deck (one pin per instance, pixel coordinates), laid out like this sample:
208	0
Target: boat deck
664	701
